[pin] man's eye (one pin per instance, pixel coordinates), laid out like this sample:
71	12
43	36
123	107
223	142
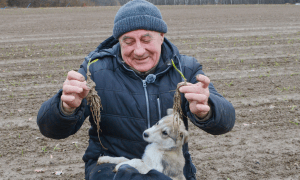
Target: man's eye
128	42
146	40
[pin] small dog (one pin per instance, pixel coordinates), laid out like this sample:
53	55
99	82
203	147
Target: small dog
163	154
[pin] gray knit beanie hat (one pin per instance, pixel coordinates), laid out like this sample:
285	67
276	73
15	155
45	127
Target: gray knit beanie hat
138	14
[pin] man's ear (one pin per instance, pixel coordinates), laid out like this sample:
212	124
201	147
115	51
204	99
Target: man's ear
162	37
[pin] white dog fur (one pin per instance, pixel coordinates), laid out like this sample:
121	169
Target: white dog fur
163	154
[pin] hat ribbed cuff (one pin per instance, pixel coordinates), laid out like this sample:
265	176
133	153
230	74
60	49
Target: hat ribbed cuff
145	22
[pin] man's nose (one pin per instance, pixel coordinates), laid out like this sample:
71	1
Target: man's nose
139	50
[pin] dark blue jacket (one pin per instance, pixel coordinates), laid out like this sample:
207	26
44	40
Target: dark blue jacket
132	103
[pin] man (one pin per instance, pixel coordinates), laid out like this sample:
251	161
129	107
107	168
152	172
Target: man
136	81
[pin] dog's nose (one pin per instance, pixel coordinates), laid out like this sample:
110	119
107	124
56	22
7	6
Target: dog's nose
145	135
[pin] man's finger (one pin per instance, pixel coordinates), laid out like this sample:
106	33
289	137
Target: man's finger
199	109
67	98
189	88
69	89
203	108
200	98
203	79
73	75
78	84
71	100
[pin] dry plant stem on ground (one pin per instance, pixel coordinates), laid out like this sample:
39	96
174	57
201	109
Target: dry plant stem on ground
94	101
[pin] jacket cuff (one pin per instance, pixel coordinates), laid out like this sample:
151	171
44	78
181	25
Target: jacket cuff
207	117
64	112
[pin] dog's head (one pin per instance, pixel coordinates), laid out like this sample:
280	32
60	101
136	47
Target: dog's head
165	134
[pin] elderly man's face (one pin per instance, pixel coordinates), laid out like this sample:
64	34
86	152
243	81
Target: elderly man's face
141	49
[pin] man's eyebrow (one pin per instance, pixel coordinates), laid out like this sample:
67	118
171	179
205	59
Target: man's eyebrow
126	37
147	35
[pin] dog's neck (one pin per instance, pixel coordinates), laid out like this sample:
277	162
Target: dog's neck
172	162
174	149
169	161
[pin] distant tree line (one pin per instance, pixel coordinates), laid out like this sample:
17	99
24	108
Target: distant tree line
65	3
195	2
200	2
45	3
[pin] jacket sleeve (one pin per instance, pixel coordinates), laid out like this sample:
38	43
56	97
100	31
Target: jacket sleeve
54	124
223	113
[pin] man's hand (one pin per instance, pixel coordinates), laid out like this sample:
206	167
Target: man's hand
74	90
197	95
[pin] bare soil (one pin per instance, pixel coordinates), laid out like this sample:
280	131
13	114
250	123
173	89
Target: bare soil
250	53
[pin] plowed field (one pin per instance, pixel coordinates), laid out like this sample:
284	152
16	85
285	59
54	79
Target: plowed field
250	52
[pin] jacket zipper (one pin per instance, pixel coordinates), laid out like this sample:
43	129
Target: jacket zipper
147	102
158	107
146	93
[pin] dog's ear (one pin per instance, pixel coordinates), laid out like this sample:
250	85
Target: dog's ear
169	111
185	136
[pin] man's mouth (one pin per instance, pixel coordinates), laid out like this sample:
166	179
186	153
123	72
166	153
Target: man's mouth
141	60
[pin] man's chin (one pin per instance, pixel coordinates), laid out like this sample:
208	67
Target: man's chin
143	69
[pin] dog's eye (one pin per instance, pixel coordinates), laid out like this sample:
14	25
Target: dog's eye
165	132
157	123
